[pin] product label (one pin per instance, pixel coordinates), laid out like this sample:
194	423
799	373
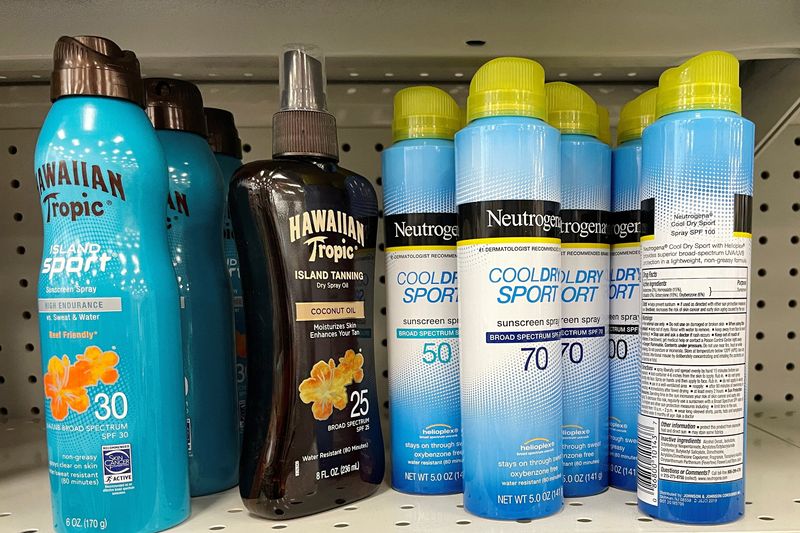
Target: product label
509	269
624	294
422	327
90	413
584	346
232	263
695	290
331	260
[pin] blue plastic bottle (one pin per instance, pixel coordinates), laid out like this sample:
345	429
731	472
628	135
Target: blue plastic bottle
196	204
624	291
585	203
508	192
227	147
697	187
108	302
422	285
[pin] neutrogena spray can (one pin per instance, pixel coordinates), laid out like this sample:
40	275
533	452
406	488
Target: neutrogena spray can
509	260
585	203
697	172
422	292
624	291
108	302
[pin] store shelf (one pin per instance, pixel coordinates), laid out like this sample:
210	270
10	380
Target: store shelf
773	495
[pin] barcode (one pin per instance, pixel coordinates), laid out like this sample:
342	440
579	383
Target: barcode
646	467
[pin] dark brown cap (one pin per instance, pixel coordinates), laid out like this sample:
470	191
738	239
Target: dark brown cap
174	105
222	134
95	66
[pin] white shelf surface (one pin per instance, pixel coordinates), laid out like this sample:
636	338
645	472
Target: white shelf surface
773	495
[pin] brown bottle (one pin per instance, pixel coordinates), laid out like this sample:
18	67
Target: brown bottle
305	231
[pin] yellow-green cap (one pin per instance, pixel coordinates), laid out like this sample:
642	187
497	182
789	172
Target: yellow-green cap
604	126
424	113
636	115
570	109
507	86
706	81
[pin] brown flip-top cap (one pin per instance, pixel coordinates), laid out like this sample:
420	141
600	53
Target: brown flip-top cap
95	66
223	137
174	105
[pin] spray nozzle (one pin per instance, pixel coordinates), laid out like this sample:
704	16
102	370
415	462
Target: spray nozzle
302	78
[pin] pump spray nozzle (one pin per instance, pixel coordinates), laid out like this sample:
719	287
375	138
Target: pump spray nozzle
303	125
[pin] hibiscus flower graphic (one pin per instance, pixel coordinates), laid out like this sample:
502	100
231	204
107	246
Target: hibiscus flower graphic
327	386
65	384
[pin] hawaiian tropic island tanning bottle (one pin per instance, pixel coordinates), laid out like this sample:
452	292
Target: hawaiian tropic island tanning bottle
223	138
585	203
108	301
306	230
422	292
194	230
697	192
509	258
624	292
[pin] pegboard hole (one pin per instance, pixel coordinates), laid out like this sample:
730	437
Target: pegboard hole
766	517
279	526
15	184
460	505
758	397
764	208
748	503
29	347
23	282
584	520
765	175
644	519
18	217
341	524
32	379
795	239
386	404
789	397
346	147
795	207
351	508
402	523
762	240
4	411
792	303
760	304
217	527
246	148
759	367
463	522
382	247
631	503
576	504
383	311
406	507
791	335
475	42
2	379
790	366
379	180
796	174
797	141
384	342
792	271
759	335
797	500
35	410
12	150
762	272
3	515
379	147
524	521
21	250
386	374
26	315
382	279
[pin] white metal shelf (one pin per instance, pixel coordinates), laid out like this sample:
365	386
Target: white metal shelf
773	495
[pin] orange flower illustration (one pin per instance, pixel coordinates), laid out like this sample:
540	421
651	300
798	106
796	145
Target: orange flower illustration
64	385
101	365
325	389
352	364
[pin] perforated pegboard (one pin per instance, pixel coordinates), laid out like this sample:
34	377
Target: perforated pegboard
775	315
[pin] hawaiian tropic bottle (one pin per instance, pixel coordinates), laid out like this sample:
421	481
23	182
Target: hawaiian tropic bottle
422	288
585	202
624	291
509	258
223	138
697	189
108	301
196	206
